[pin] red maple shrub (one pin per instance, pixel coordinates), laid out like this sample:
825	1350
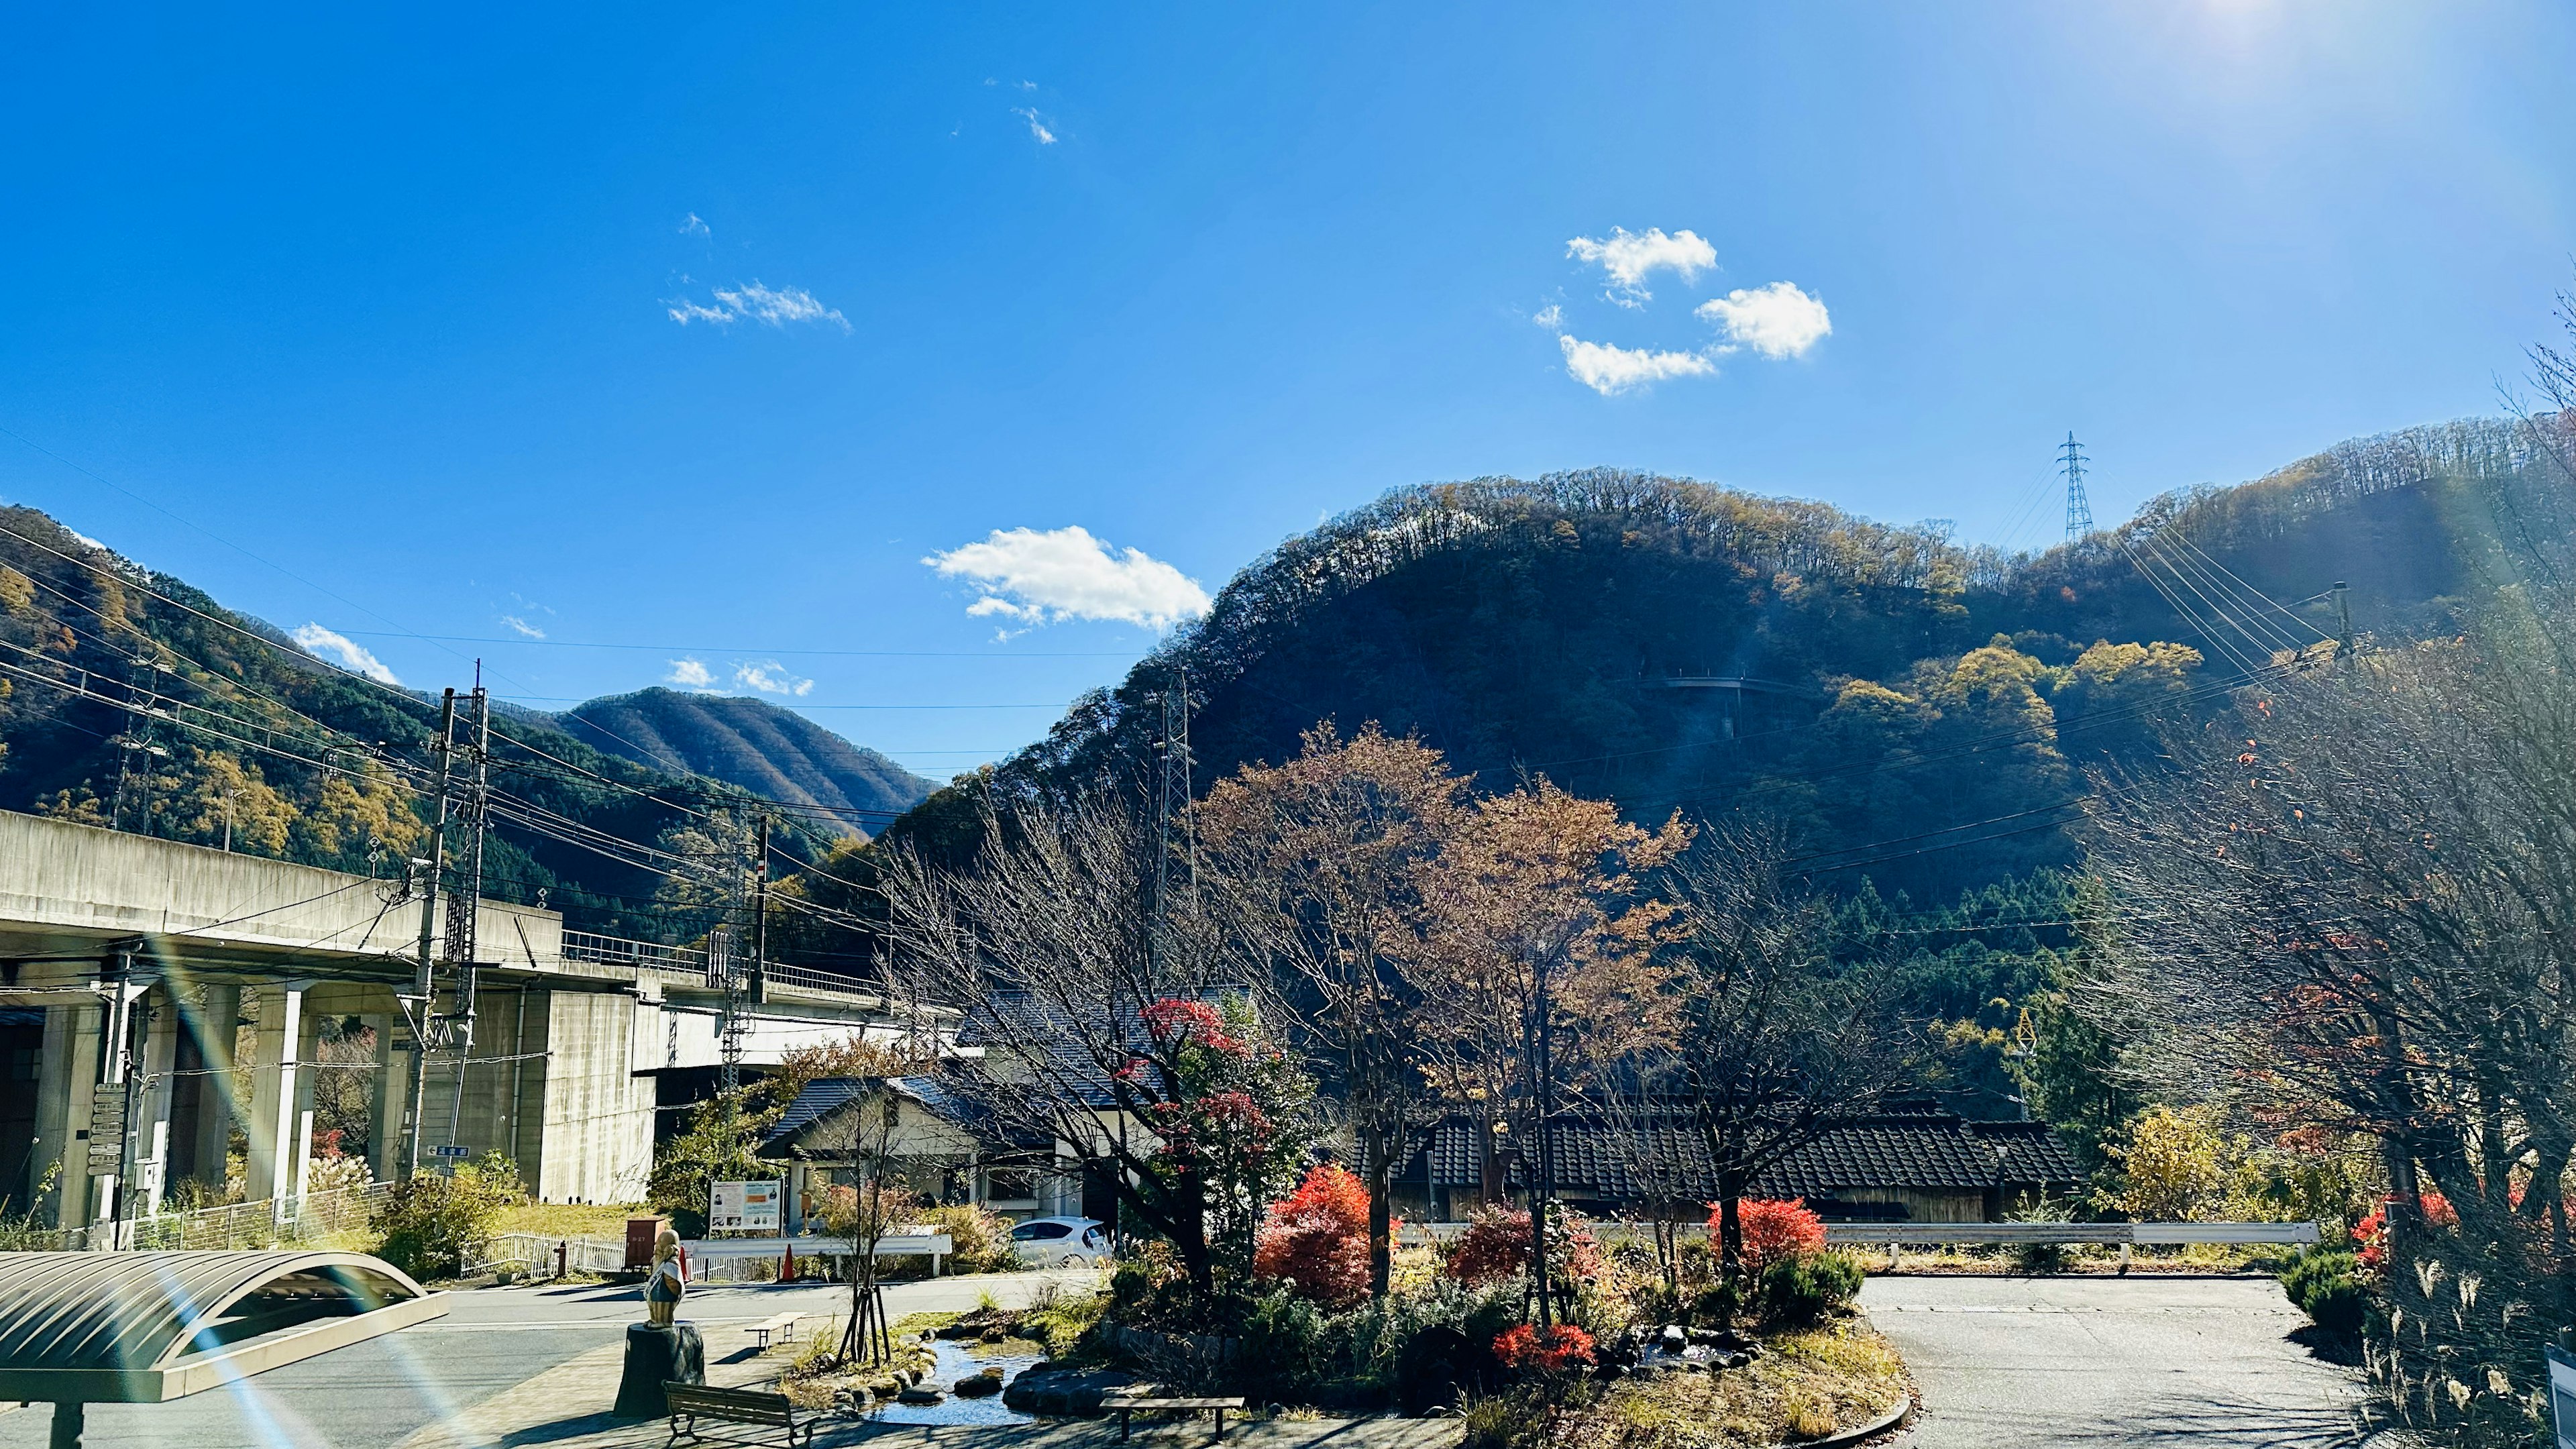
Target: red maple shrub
2370	1234
1530	1349
1773	1230
1317	1238
1495	1246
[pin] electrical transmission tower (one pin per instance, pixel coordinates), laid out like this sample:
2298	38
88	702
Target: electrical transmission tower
2079	509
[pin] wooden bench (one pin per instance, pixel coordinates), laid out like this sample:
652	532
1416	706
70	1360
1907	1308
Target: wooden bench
691	1402
1126	1406
782	1327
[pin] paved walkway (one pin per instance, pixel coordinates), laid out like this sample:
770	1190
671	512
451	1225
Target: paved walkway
2138	1362
492	1346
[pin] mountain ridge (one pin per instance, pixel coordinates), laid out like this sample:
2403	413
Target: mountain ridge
771	751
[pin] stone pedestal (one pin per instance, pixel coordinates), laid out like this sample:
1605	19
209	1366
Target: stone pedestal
654	1357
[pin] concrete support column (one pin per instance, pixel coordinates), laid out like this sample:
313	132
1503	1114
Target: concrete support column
62	1111
158	1089
393	1097
216	1020
276	1120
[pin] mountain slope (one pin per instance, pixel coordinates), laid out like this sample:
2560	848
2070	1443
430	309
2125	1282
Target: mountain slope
131	700
1913	711
774	753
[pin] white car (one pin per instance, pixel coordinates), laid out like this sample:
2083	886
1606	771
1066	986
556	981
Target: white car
1061	1242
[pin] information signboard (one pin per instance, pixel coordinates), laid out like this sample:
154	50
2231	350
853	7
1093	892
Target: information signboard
749	1207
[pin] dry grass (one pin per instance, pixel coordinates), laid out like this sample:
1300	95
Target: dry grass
569	1220
1805	1386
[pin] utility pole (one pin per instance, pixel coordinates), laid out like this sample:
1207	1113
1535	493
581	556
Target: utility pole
2079	509
2343	616
465	902
760	920
416	1005
722	975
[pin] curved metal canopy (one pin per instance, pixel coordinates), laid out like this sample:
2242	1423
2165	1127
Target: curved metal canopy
144	1327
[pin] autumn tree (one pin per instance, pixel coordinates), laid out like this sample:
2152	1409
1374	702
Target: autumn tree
1130	1037
1773	1041
1321	861
1538	964
2353	907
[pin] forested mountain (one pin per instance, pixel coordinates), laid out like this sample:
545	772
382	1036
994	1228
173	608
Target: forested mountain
774	753
128	698
1920	714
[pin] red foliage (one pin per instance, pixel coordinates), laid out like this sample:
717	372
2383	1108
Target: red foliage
1551	1350
1317	1238
2371	1232
1173	1022
1496	1245
1773	1230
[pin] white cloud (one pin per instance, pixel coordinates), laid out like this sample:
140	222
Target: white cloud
690	674
1607	370
1628	258
770	677
1037	125
1776	321
776	307
330	643
694	227
1065	573
522	627
1550	317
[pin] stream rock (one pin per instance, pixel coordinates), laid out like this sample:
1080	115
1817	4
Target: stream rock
1064	1391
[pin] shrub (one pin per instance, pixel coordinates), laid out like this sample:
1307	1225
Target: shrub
1495	1246
2326	1284
428	1226
1773	1230
2368	1232
1807	1288
979	1240
1560	1348
1317	1238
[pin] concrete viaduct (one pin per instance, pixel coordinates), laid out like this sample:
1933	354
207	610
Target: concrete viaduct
156	996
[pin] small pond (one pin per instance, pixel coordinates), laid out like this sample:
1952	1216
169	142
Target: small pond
959	1360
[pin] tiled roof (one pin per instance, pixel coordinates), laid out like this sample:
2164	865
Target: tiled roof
2032	1153
1919	1151
937	1094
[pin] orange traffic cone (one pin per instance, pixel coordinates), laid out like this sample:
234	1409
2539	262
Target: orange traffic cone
787	1268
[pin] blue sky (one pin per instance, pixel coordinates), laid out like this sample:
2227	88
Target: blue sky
698	329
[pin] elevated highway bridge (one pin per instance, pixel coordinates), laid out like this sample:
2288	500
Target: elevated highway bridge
157	998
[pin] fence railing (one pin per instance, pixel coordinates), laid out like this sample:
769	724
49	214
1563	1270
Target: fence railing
263	1224
537	1253
618	951
689	963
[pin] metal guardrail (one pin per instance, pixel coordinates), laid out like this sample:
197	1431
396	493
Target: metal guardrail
2143	1234
689	963
645	955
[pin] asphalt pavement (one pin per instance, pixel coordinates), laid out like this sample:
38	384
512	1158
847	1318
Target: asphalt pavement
2142	1362
372	1395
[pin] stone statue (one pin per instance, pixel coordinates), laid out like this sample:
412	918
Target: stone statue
663	1290
664	1350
